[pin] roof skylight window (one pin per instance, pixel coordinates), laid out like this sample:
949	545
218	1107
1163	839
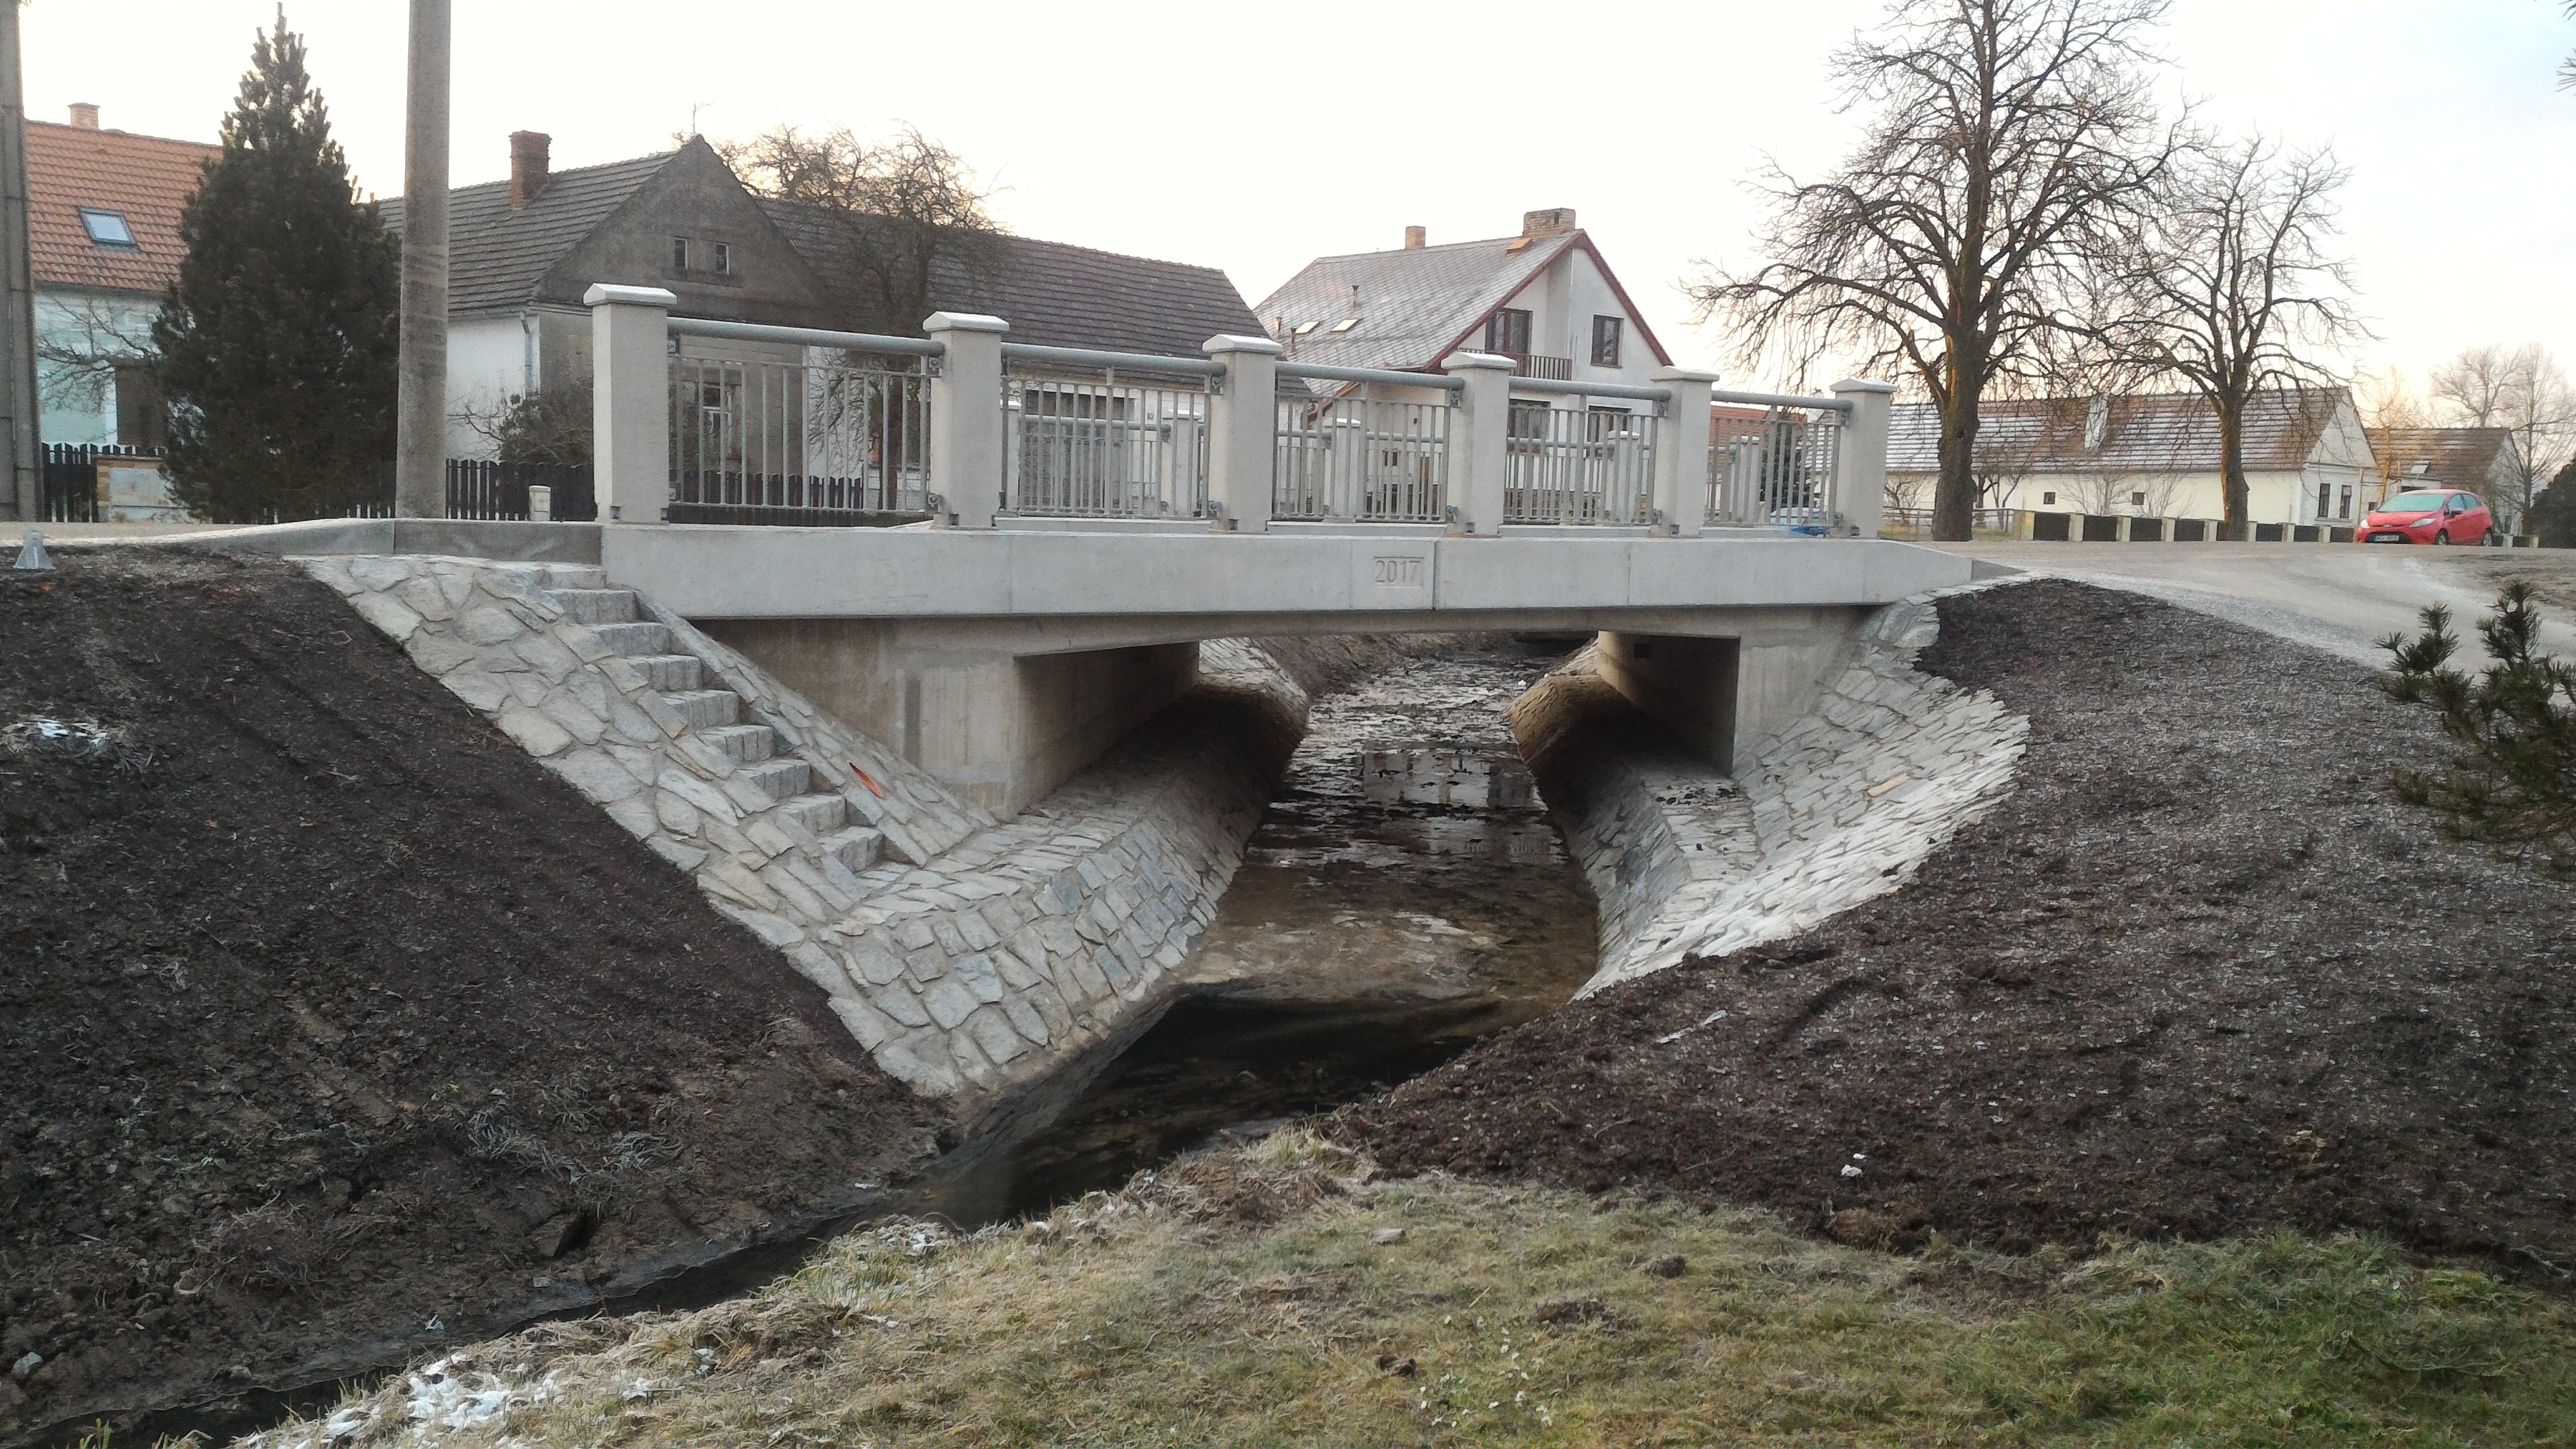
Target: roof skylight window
1303	328
1345	325
108	229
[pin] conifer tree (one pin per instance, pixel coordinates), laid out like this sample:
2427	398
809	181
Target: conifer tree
277	339
2512	783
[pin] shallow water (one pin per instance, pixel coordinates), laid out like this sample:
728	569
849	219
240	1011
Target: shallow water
1404	896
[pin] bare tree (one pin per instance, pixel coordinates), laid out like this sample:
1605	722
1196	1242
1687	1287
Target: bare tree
2231	287
2007	139
2388	405
2524	391
551	425
905	206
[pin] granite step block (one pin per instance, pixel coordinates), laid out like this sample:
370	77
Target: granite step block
856	848
595	606
780	779
706	709
822	814
635	640
672	673
743	744
576	576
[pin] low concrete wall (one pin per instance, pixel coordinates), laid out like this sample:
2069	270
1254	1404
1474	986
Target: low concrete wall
1840	805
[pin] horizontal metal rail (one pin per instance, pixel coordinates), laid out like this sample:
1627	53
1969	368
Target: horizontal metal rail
1780	400
1084	357
1633	393
806	337
1322	372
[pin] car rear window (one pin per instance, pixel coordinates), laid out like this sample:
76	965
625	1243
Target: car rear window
2413	503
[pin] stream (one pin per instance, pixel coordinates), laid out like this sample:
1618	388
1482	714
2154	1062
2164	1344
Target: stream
1404	896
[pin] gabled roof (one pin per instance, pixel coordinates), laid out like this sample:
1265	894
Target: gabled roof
2149	433
147	179
2446	457
496	257
1419	304
1052	294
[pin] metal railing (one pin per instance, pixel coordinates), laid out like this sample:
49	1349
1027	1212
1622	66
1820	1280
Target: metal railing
1539	365
1361	459
836	437
1771	461
1105	445
1579	466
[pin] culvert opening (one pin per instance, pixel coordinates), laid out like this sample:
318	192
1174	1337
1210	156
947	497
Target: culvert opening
1404	896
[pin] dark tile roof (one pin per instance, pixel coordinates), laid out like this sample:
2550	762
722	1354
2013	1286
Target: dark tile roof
2157	432
497	257
148	179
1413	304
1052	294
2448	457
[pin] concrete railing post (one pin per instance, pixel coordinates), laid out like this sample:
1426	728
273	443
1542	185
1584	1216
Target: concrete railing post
1243	432
966	439
1681	452
1480	464
1860	460
630	401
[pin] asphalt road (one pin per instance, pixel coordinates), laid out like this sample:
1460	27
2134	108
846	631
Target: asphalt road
2343	598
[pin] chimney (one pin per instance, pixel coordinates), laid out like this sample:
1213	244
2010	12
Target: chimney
85	115
528	158
1416	238
1554	221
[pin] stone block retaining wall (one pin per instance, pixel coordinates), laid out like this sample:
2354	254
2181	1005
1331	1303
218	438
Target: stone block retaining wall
1840	807
969	956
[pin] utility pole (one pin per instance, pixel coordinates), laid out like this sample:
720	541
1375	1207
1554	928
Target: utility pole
420	437
23	498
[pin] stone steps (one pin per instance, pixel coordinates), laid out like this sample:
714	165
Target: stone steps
672	673
856	848
595	606
743	744
707	709
634	640
780	779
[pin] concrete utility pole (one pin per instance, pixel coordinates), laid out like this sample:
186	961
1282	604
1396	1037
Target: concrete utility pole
24	496
420	441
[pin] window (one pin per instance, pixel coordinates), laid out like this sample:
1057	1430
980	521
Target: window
1345	325
1304	328
2325	498
724	259
2048	498
142	417
1508	332
108	229
2343	502
2138	499
1526	419
1605	341
2463	502
679	254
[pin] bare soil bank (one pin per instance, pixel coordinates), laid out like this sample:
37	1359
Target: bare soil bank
329	1016
2199	975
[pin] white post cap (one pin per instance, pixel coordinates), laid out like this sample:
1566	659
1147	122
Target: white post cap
1854	384
1471	361
963	322
1232	342
1681	374
603	294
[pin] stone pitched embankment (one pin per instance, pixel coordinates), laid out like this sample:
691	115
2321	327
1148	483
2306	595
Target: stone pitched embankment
1840	807
969	956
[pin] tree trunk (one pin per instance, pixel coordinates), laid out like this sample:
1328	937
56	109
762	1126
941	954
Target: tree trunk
2231	470
420	427
1954	494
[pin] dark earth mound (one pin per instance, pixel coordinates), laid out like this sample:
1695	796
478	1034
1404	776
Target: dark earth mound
329	1016
2199	974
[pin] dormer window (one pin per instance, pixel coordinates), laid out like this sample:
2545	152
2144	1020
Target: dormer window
2097	424
108	229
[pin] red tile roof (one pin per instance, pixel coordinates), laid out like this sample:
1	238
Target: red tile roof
146	178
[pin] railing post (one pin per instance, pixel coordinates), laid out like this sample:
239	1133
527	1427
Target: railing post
1860	455
1480	464
966	418
630	400
1681	453
1243	432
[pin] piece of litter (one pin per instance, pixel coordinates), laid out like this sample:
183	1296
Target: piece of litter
1850	1171
1668	1038
32	558
1385	1237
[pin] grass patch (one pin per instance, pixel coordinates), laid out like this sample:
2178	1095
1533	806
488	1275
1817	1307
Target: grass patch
1255	1298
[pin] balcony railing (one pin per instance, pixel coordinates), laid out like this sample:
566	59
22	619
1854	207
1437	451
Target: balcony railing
1532	364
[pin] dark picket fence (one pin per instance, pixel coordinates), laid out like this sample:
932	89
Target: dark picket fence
479	488
71	478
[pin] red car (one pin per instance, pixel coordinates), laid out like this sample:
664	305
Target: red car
2425	517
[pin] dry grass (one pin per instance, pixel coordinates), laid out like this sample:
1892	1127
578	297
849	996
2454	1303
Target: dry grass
1256	1299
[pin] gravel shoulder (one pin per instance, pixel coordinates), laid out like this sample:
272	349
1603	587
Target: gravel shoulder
333	1027
2199	975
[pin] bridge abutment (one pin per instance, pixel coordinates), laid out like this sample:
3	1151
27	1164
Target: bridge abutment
1725	694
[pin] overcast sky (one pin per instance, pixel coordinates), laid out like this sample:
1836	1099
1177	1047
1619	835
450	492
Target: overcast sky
1254	137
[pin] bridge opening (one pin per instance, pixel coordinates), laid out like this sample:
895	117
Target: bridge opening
1404	896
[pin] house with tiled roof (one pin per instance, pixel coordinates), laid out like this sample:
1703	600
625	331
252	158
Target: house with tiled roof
523	251
1544	298
2156	455
2484	461
103	242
